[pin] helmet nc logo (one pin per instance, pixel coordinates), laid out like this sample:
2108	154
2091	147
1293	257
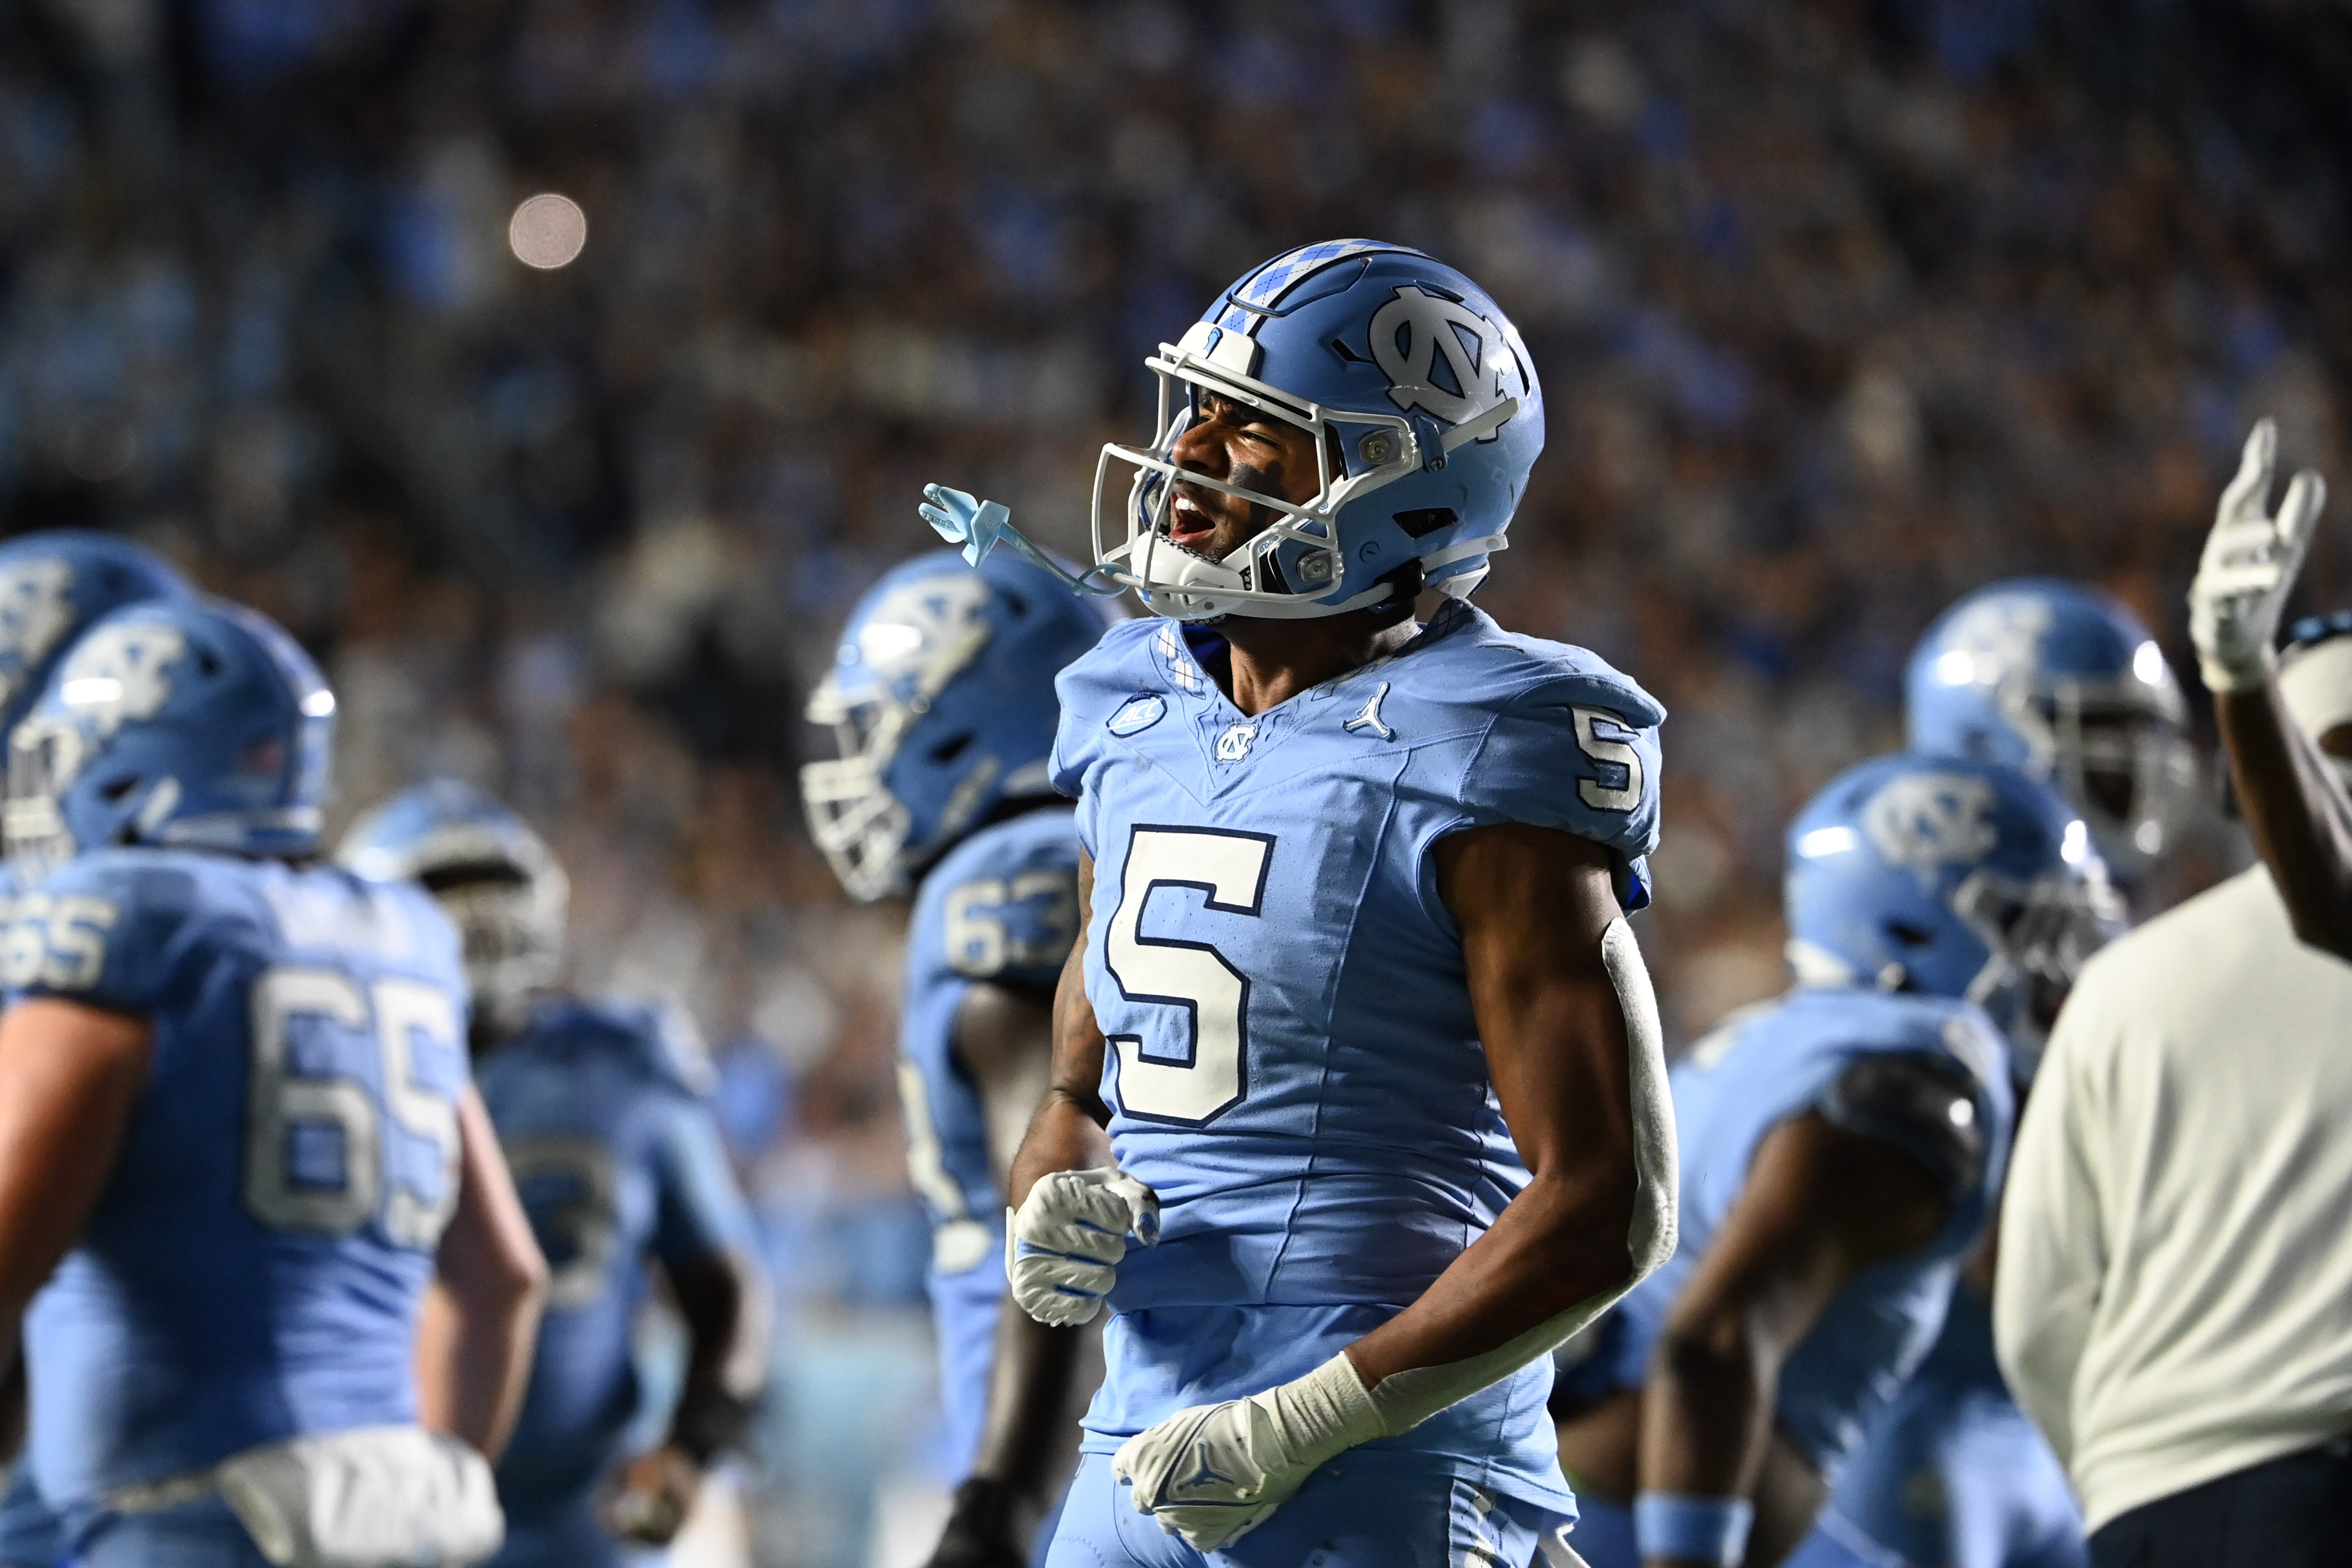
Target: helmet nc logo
1929	821
1411	331
117	674
34	613
1993	637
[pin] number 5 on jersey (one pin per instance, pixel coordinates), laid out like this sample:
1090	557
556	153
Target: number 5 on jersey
1193	1063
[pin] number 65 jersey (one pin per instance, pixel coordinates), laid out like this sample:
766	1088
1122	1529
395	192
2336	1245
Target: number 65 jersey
253	1269
1292	1063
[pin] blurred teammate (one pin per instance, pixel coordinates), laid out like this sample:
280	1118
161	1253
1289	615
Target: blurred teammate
601	1110
1362	900
2064	681
942	702
2287	730
1840	1150
53	584
237	1133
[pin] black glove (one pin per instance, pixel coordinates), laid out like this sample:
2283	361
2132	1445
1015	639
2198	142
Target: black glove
981	1531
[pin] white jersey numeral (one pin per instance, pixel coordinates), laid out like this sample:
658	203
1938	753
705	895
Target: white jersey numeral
286	1110
580	1229
1604	750
1196	1062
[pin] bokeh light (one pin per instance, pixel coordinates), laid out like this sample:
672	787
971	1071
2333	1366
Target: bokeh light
547	231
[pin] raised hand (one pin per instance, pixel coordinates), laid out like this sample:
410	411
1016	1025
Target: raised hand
2249	567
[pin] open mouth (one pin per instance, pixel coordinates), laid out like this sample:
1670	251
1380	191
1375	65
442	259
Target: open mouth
1190	526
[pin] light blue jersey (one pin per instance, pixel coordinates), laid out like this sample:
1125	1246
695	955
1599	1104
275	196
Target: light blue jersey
1001	908
1953	1475
599	1109
30	1535
1294	1063
253	1268
1780	1061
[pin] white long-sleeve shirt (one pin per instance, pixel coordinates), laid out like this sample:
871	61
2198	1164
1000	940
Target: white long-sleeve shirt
2175	1294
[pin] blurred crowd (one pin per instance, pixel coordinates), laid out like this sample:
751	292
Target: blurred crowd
1841	308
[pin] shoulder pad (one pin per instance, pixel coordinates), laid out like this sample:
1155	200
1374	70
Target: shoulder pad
657	1038
1470	661
1096	686
1926	1104
1566	741
99	926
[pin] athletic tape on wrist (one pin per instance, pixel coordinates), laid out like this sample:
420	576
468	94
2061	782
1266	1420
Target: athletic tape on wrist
1703	1528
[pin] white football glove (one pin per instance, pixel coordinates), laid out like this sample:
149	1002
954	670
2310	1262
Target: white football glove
2249	568
1061	1247
1213	1473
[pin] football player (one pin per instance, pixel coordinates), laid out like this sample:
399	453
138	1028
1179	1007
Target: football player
1841	1147
237	1133
600	1109
941	701
1357	1046
53	584
2291	786
2064	681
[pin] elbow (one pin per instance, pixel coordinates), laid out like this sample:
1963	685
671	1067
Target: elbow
515	1280
1618	1225
1715	1352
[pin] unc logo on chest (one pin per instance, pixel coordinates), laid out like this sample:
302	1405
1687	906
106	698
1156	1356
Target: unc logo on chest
1233	744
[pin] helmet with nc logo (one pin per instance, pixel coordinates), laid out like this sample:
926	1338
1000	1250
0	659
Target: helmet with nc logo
1950	877
1426	417
942	702
2065	683
199	724
54	583
489	870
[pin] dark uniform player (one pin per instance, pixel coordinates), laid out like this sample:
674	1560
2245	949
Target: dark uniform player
601	1108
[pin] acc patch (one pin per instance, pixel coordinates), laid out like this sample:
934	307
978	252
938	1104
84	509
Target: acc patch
1138	715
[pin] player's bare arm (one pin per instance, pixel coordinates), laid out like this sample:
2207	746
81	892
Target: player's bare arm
70	1075
1066	1131
475	1337
725	1306
1821	1205
1533	904
2295	805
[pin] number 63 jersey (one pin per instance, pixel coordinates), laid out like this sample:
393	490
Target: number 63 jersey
253	1269
1292	1063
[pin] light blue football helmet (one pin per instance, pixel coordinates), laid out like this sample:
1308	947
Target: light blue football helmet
200	725
1950	877
496	879
53	584
941	701
1426	416
2065	683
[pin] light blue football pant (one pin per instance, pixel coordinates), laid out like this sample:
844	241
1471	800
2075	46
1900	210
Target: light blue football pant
1962	1480
200	1535
1603	1537
567	1537
1361	1510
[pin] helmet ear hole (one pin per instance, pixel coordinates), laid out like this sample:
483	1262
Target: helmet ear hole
948	750
1906	935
